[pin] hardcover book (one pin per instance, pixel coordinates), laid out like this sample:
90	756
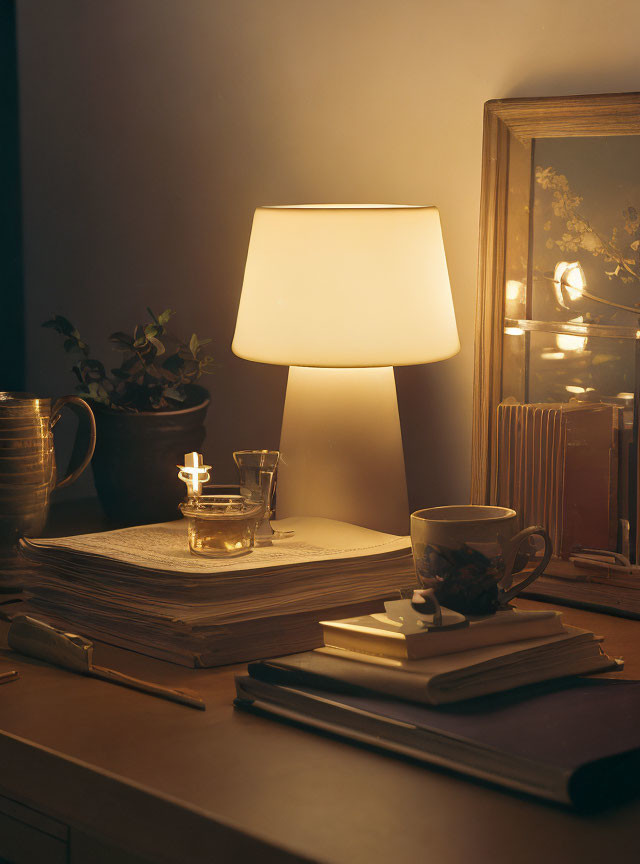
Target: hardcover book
380	634
575	742
448	678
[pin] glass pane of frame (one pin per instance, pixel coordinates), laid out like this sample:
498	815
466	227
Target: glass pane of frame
570	338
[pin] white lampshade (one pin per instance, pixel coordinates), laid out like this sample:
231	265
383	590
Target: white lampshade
346	286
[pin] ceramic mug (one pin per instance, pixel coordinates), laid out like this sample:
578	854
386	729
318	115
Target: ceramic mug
468	554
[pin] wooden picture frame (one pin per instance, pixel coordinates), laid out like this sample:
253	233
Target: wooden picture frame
511	129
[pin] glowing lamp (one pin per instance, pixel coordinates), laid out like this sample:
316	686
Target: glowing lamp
514	290
568	342
194	473
569	282
341	294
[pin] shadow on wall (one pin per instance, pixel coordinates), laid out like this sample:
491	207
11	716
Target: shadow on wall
434	481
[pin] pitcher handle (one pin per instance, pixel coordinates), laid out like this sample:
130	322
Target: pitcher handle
508	592
55	416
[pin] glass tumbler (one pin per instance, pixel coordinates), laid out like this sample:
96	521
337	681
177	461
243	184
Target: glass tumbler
257	480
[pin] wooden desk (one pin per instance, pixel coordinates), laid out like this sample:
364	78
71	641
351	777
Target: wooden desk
92	772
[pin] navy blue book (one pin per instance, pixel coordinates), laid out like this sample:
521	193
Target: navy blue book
573	741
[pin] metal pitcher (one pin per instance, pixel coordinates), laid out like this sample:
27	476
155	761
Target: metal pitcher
28	463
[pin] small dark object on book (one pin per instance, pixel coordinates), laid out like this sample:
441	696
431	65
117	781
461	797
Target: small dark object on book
423	613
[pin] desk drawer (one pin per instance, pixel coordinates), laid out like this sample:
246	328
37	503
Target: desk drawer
29	837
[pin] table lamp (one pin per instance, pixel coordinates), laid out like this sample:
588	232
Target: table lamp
341	294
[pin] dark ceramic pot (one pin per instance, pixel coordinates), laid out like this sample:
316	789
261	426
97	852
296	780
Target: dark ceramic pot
134	465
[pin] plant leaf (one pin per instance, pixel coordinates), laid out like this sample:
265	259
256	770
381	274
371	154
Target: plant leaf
157	344
61	325
121	341
175	394
174	363
130	363
97	392
155	371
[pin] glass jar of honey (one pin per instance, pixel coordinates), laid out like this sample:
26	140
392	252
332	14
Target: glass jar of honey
221	526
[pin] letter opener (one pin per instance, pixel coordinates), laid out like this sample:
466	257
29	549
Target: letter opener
37	639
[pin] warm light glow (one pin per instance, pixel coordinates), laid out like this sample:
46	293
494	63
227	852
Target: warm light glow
573	388
514	289
346	286
194	473
513	331
568	342
569	282
552	355
624	396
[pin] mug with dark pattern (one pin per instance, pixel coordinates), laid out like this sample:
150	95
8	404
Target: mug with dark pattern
469	553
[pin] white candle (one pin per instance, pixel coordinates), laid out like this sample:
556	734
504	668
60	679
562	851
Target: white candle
194	473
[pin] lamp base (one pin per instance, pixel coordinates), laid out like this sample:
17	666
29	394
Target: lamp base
341	448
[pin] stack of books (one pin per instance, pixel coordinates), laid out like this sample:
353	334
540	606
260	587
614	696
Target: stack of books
566	466
141	588
557	465
458	698
509	649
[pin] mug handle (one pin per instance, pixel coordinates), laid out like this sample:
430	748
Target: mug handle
58	405
510	593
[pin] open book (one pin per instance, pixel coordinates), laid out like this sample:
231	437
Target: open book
141	588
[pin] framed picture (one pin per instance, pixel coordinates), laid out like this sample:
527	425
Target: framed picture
557	385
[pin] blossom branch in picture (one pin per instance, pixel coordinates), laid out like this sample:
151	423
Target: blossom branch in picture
620	250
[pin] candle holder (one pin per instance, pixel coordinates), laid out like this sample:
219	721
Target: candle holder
221	526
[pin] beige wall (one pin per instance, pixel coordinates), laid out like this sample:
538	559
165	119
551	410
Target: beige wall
151	129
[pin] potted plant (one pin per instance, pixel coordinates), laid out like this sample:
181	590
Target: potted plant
149	412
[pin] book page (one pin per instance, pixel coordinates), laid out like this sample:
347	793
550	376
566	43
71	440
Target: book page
165	547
